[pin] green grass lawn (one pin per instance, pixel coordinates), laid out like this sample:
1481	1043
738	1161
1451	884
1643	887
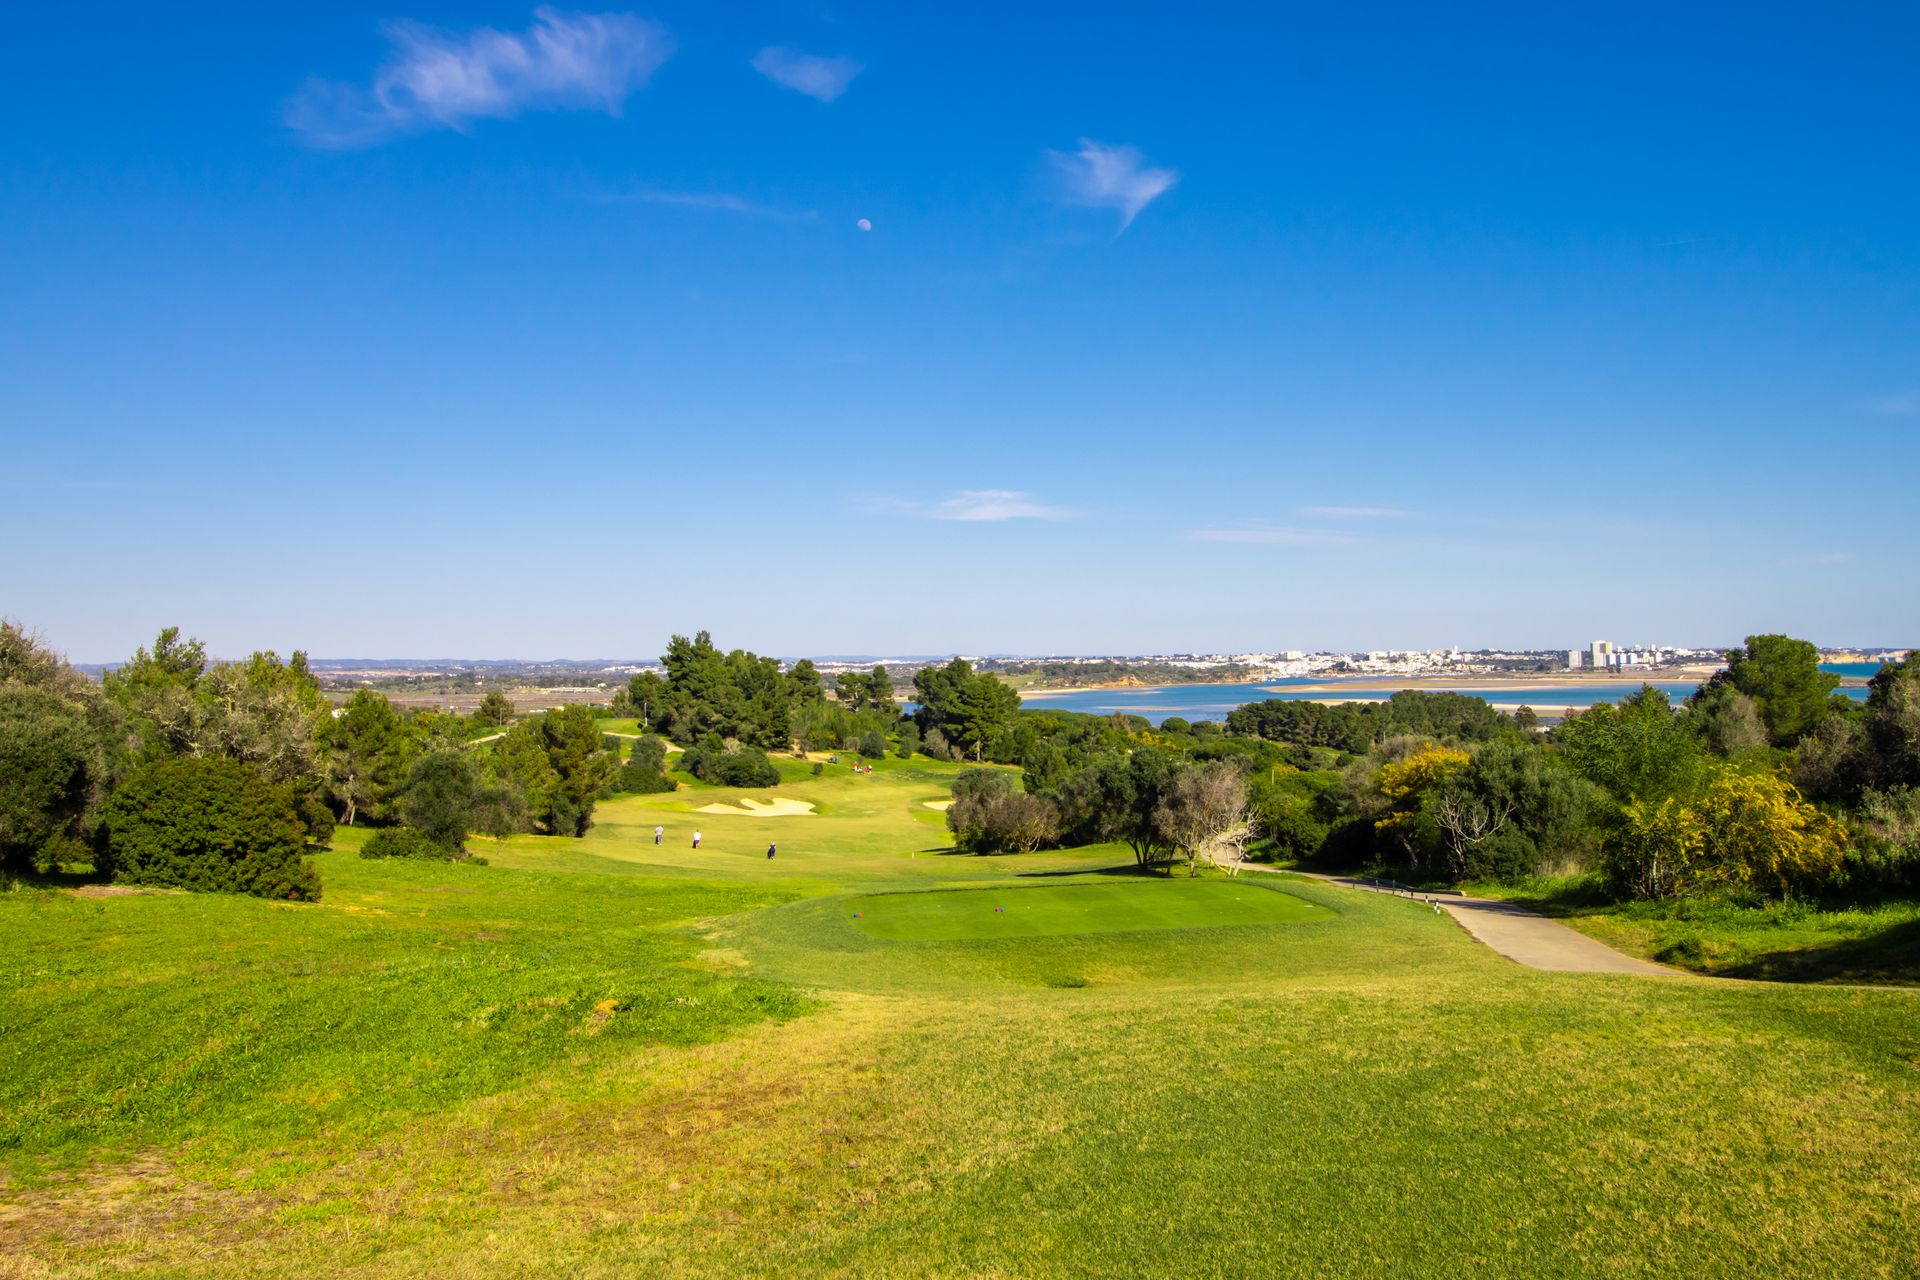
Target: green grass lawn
1080	908
605	1058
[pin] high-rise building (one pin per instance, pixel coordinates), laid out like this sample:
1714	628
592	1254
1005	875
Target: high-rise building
1573	659
1602	653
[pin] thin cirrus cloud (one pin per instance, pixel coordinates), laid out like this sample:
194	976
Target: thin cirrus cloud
822	78
713	201
1110	177
437	79
977	505
1901	404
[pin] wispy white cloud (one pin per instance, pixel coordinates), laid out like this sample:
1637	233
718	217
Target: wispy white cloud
978	505
1105	177
1900	404
1354	513
1272	536
817	77
443	80
1814	559
717	201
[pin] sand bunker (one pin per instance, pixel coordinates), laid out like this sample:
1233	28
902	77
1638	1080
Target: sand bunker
781	808
938	806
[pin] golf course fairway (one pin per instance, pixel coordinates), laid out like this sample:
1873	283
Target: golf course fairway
876	1056
1077	908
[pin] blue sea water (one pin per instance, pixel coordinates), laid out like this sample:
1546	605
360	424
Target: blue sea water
1214	701
1860	670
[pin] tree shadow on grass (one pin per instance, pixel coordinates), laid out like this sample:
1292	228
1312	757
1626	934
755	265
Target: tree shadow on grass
1117	869
71	876
1889	956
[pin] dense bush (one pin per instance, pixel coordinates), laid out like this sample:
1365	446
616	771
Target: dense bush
1886	849
1292	811
872	744
1003	822
744	767
1508	854
447	794
439	798
209	825
51	775
747	767
640	780
645	769
1743	830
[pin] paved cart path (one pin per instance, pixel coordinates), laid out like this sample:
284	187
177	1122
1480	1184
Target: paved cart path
1522	936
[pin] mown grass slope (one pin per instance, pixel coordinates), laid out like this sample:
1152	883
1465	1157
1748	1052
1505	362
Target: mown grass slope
1357	1089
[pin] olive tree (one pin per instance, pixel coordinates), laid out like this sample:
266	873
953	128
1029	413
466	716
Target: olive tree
1204	813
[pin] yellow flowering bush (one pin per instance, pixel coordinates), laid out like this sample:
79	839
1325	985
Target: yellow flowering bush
1743	830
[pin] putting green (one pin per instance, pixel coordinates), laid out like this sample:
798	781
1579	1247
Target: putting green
951	915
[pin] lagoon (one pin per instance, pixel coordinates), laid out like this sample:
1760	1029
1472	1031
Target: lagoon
1214	701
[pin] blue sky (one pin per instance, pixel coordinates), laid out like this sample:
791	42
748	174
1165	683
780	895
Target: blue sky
482	330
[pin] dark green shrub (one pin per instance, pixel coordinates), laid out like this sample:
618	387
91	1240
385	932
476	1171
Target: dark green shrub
1505	855
568	818
982	782
51	770
210	825
316	817
495	710
642	780
440	797
873	744
1293	831
1348	844
645	769
818	768
747	767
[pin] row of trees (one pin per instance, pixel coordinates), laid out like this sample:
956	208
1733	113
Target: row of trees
746	700
738	696
1162	806
173	771
1767	781
173	766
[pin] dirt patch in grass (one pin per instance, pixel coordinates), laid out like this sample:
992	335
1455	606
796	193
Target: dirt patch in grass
117	1207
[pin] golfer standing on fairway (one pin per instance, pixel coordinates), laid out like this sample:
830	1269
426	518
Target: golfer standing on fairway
770	853
659	834
696	839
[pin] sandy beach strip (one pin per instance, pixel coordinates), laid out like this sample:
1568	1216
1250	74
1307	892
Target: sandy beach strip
1497	684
